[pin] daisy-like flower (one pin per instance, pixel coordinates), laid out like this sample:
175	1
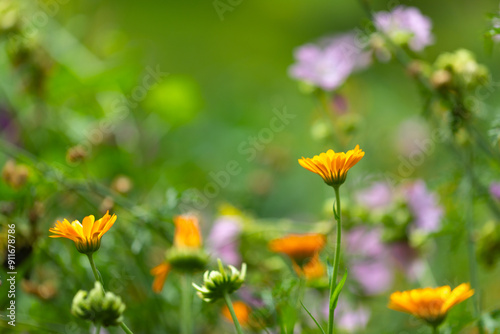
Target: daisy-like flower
428	304
186	255
314	269
301	248
331	166
86	235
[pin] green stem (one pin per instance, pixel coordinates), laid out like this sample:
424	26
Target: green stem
471	247
233	314
97	275
186	306
125	328
336	262
435	330
97	328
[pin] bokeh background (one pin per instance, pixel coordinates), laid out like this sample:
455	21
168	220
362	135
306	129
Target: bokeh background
221	80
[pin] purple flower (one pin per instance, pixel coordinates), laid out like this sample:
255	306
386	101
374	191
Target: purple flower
406	25
424	207
495	190
328	65
347	317
407	258
369	263
223	239
378	196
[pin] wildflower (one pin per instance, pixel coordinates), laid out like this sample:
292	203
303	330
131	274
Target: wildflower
349	318
327	66
495	190
223	239
301	248
406	26
331	166
428	304
186	255
312	270
87	235
424	206
218	284
242	312
99	307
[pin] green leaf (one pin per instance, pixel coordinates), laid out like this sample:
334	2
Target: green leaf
314	319
335	294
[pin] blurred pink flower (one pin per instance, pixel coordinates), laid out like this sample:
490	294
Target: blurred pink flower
369	260
223	239
378	196
349	318
424	207
406	22
328	65
495	190
407	259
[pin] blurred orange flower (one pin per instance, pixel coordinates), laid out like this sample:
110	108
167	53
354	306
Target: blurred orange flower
299	247
241	310
187	232
313	269
160	272
187	242
431	305
331	166
87	235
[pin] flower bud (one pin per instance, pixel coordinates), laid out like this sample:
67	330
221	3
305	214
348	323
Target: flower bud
187	260
76	154
15	175
218	283
99	307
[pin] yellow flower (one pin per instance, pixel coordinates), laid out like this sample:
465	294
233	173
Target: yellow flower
331	166
301	248
431	305
87	235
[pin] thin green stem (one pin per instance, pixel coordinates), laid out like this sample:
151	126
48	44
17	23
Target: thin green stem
125	328
469	224
229	304
336	262
97	328
435	330
97	275
186	299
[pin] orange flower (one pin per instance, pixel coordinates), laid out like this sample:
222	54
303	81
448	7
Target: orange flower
431	305
160	272
311	270
187	232
186	255
241	310
87	236
331	166
299	247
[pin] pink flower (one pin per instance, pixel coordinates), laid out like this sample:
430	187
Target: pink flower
223	240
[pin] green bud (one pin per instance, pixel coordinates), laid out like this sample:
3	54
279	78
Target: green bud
217	283
187	260
99	307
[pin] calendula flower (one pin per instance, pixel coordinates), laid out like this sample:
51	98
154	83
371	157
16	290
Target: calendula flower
301	248
331	166
86	235
312	270
431	305
241	310
186	255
